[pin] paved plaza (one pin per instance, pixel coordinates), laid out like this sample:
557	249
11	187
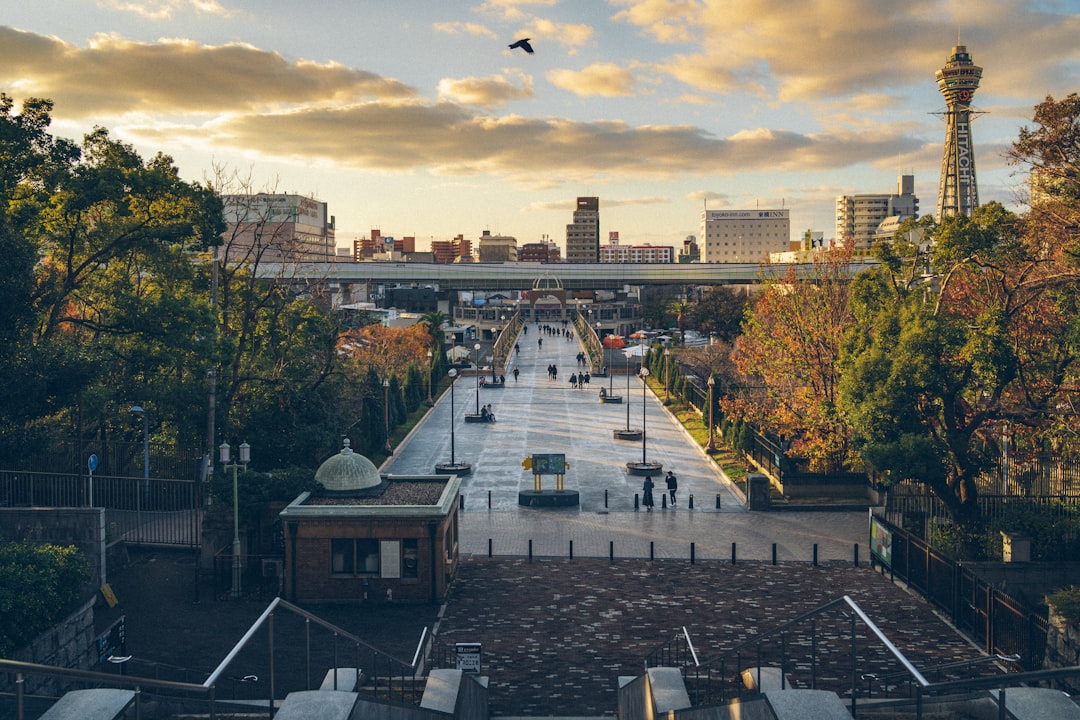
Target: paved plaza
536	414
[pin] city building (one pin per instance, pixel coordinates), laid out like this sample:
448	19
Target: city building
583	234
544	251
278	227
451	251
383	247
958	189
862	219
690	252
743	236
498	248
613	252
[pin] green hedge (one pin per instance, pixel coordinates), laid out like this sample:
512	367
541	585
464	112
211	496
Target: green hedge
39	585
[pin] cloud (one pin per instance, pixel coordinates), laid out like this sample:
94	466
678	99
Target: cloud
599	79
181	75
166	9
511	9
835	48
494	91
667	21
446	139
465	28
566	34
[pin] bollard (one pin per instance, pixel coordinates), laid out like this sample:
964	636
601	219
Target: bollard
693	553
774	553
856	554
571	549
732	553
717	501
530	550
489	547
461	501
652	554
605	497
611	550
690	506
663	501
635	501
489	499
815	554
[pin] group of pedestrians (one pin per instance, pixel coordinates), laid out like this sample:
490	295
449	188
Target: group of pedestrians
647	490
579	381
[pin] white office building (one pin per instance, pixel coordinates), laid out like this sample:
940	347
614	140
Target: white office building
862	219
743	236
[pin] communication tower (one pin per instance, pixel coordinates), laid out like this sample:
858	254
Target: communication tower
958	190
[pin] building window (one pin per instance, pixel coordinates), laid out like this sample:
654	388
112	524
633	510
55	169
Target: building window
354	557
410	558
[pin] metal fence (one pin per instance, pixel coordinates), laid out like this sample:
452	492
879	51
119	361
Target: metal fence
992	619
149	511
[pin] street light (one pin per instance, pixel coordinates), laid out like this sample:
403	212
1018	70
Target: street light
712	383
244	459
453	376
453	467
430	367
644	389
138	410
476	347
386	416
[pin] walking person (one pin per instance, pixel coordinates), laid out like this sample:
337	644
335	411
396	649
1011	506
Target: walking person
515	374
672	486
573	381
646	493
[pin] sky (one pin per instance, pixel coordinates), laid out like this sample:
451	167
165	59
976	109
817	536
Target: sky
416	118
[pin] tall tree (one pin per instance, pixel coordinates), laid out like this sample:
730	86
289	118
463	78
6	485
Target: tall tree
938	361
719	313
787	356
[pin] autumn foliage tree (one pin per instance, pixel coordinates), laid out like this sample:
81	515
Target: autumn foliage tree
787	358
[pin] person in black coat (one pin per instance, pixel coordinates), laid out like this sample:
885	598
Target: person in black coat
646	493
672	486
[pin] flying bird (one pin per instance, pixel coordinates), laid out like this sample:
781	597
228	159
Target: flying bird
523	43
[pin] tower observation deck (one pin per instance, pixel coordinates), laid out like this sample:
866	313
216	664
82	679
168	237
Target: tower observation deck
958	190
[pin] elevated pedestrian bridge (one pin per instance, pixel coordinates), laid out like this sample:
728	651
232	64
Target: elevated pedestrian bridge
520	276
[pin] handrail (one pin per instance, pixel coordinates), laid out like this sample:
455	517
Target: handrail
20	666
419	647
689	644
895	651
996	657
285	604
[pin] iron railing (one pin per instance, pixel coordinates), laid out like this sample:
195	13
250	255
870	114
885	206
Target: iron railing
146	511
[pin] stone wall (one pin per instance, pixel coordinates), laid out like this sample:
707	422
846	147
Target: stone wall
71	643
1062	644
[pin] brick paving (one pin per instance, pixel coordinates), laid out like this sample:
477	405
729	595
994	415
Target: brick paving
557	633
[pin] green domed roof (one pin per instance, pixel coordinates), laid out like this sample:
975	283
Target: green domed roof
347	472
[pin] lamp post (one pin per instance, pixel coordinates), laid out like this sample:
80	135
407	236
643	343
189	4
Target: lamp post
386	416
502	330
453	376
644	389
712	384
476	347
667	376
453	467
430	367
244	459
138	410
